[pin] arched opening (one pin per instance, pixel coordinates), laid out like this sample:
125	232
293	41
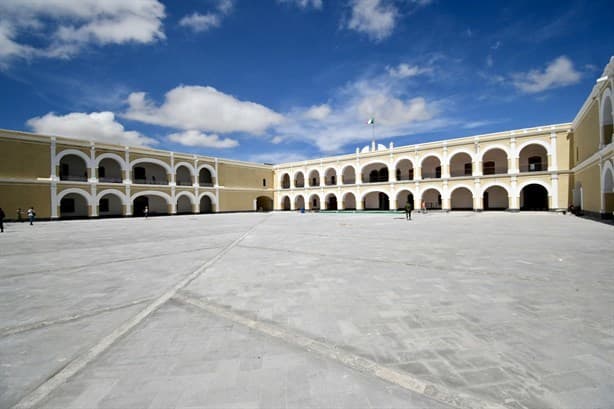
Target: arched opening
149	174
349	201
314	178
607	121
206	205
330	177
285	203
184	205
495	198
264	203
374	173
109	171
205	178
461	199
110	205
404	197
73	206
73	168
405	170
299	202
432	199
331	202
314	202
183	177
156	205
348	174
431	168
533	158
534	197
608	192
460	165
376	201
494	162
285	181
299	180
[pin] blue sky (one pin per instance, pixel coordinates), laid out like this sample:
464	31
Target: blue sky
280	80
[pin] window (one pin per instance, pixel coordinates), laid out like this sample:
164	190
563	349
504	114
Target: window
104	205
264	182
67	205
468	169
489	167
535	164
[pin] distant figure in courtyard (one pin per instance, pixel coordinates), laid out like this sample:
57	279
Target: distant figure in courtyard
31	215
19	215
2	216
423	206
408	211
146	211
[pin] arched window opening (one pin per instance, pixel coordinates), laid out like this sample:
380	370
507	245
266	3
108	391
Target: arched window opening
607	125
314	178
109	171
404	170
374	173
494	162
149	174
533	158
460	165
205	178
183	177
330	177
349	175
285	181
431	168
299	180
73	168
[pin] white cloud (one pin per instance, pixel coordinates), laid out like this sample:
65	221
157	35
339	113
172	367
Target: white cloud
277	157
197	138
559	73
318	112
277	140
99	126
202	108
373	17
204	22
67	25
405	71
316	4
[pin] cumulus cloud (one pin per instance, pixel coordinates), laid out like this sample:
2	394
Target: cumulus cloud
202	108
318	112
404	70
197	138
316	4
375	18
66	26
204	22
99	126
559	73
277	157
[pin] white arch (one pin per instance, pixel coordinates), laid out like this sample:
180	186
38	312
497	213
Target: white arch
326	169
349	165
534	142
78	191
312	170
402	189
427	155
461	186
114	156
315	194
534	182
75	152
607	94
348	193
209	168
461	150
497	146
163	195
281	178
209	195
117	193
502	185
381	161
364	194
429	187
329	194
190	196
396	162
151	160
296	174
281	201
187	165
608	167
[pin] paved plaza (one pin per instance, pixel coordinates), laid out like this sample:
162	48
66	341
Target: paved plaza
289	310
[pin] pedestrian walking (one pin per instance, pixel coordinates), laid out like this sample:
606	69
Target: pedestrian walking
19	215
146	211
408	211
423	205
2	216
31	215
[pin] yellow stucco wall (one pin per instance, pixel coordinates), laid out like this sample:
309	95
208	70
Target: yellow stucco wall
591	187
24	195
586	135
234	201
231	175
24	159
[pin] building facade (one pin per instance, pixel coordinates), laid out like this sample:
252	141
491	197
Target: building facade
541	168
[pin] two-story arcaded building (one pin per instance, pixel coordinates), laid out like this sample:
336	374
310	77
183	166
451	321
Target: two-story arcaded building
541	168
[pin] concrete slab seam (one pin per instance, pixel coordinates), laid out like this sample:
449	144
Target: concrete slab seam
73	367
364	365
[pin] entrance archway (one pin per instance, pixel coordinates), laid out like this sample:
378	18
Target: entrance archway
331	202
285	203
184	205
157	205
349	201
376	201
533	197
432	199
73	206
264	204
299	202
314	202
207	205
495	198
404	197
461	199
110	205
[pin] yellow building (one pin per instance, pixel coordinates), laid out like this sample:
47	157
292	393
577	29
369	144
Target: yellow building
541	168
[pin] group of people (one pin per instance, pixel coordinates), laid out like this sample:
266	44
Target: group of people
30	213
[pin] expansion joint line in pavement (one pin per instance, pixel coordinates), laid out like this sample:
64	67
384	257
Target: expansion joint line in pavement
440	393
6	331
42	391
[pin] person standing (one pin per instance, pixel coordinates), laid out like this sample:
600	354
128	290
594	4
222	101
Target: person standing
408	211
31	215
146	211
2	216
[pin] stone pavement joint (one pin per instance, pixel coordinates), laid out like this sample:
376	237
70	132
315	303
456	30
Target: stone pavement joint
4	332
433	391
80	362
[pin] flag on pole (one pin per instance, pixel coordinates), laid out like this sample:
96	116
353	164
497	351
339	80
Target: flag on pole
371	121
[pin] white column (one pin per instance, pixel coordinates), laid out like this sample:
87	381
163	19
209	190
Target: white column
477	164
217	187
515	199
94	205
128	205
477	200
52	151
555	192
93	177
514	157
445	166
553	165
445	197
127	178
54	199
601	195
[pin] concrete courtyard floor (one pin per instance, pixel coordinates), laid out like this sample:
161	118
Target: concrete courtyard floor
287	310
